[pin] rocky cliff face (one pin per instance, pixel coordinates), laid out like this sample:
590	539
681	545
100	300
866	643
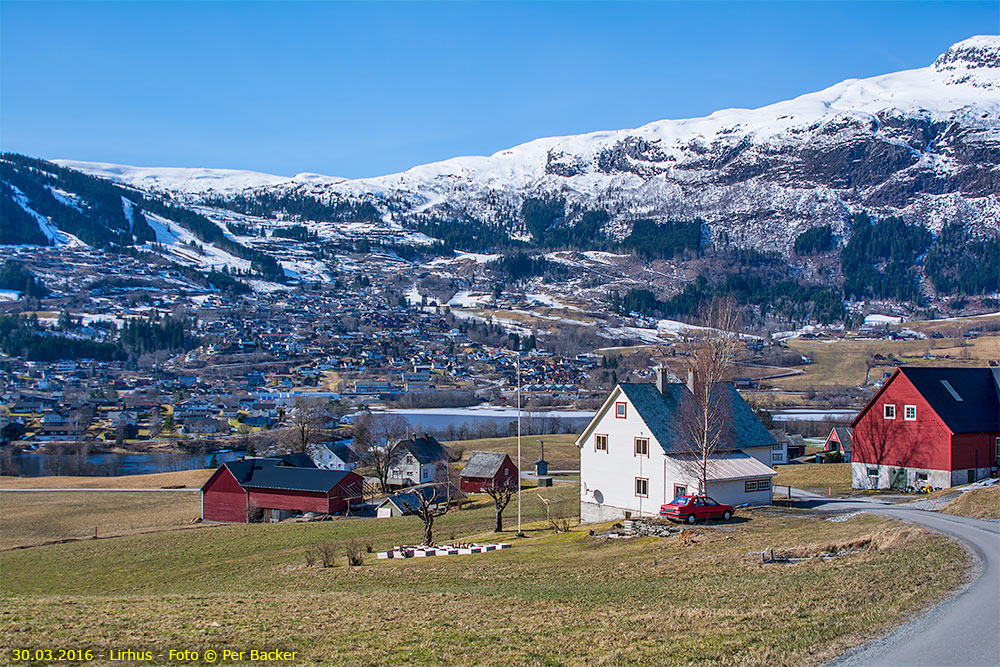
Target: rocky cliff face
923	144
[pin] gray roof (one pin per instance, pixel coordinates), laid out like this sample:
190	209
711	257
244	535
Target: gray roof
297	459
343	452
437	492
426	449
484	464
659	411
267	474
844	437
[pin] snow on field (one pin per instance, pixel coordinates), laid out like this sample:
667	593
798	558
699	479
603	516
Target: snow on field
65	198
51	232
478	258
177	241
415	298
546	300
875	318
9	295
603	257
466	299
306	269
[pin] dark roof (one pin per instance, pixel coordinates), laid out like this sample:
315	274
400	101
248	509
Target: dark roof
267	474
437	492
844	437
343	452
659	411
484	464
426	449
298	460
978	411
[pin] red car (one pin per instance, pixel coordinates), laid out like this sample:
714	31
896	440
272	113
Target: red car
692	508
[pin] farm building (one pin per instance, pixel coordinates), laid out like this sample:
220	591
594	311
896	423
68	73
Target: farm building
405	502
278	490
634	456
487	467
839	441
936	426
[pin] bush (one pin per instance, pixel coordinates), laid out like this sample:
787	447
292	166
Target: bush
355	552
327	554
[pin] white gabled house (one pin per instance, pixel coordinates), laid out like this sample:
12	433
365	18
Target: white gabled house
633	456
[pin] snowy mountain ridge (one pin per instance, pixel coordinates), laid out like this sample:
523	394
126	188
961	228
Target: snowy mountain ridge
922	143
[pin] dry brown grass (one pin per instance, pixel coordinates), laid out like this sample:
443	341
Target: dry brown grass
35	518
842	363
977	504
188	478
560	450
825	478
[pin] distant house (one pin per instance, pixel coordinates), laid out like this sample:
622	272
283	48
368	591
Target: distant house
418	461
937	426
335	456
405	502
839	441
487	467
633	456
279	491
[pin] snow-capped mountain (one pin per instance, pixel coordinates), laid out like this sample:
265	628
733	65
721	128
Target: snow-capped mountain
923	144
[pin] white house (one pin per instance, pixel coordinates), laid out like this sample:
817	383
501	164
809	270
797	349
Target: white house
334	456
419	461
633	458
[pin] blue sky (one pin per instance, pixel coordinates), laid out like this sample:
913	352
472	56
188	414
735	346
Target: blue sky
362	89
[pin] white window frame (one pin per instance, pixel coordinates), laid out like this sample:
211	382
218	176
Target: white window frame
872	472
888	411
645	442
598	439
645	484
910	413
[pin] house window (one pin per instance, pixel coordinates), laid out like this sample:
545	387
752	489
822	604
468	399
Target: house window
921	477
621	410
873	472
889	411
601	443
757	485
910	413
642	446
641	487
776	456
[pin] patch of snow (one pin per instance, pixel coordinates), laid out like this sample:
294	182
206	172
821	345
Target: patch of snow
876	318
9	295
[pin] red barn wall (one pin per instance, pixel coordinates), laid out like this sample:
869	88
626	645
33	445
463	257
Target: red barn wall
301	501
974	450
223	499
924	443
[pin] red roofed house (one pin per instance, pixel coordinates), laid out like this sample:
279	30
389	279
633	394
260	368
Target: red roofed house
278	490
483	468
937	426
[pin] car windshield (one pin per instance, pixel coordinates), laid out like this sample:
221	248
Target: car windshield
680	500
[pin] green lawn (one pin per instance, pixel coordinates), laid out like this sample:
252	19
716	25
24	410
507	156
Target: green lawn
826	478
554	598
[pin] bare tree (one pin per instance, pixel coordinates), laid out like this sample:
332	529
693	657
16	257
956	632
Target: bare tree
501	491
308	419
876	440
704	413
378	438
429	504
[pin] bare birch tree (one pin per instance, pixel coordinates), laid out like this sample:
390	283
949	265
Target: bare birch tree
378	438
704	415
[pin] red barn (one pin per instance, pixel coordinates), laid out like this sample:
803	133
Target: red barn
279	491
484	467
937	426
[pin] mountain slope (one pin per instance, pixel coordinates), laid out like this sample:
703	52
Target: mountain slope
923	144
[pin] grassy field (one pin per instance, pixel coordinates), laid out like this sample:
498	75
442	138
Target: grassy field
555	598
35	518
560	451
977	503
833	478
188	478
842	363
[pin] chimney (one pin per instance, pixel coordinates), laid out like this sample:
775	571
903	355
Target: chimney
661	378
690	382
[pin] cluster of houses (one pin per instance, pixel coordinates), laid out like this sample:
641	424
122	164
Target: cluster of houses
936	426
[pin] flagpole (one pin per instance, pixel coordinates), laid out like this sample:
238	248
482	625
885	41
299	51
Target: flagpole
519	444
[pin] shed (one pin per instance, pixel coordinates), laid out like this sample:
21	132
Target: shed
484	467
405	502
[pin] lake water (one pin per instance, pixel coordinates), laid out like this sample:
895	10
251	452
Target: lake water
490	421
36	464
811	415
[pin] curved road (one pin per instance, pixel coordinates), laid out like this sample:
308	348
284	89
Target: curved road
963	630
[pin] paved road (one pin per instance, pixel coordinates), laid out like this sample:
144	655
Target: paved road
964	630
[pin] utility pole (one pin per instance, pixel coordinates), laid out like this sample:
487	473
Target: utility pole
519	532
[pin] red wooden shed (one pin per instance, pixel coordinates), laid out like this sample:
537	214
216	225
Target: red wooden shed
485	466
279	491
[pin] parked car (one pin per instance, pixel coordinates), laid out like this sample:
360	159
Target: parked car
692	508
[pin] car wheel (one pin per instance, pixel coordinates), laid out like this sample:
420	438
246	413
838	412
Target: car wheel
690	519
727	515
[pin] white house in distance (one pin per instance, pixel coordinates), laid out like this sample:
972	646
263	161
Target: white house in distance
632	454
